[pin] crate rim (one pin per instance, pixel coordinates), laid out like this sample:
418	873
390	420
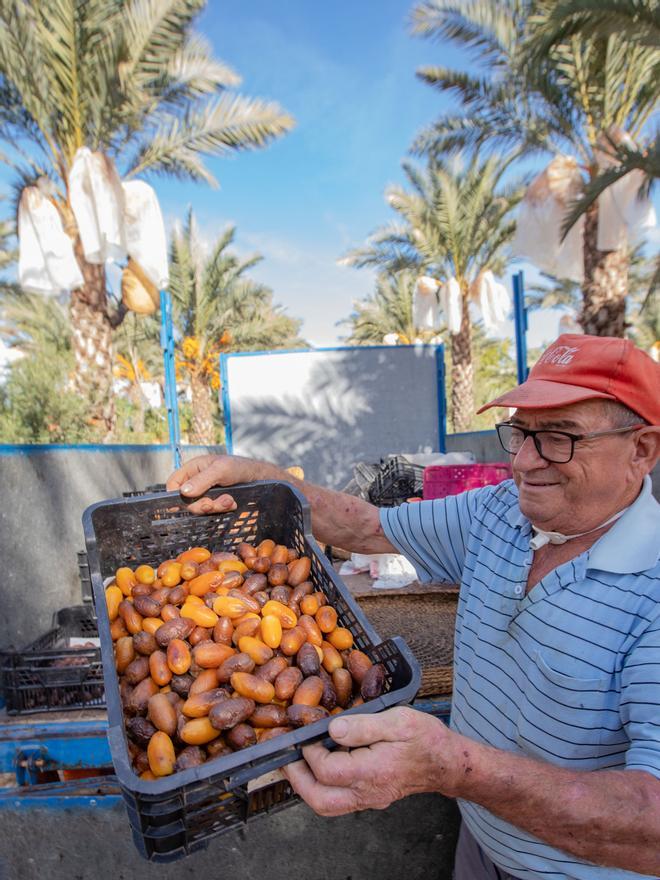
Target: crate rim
279	751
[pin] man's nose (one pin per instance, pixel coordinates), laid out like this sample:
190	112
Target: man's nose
528	457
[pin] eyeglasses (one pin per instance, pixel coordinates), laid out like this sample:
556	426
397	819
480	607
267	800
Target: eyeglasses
556	447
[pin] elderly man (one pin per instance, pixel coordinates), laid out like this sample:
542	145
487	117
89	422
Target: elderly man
554	746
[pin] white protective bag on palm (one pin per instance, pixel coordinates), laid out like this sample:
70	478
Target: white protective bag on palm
145	231
97	201
46	260
540	218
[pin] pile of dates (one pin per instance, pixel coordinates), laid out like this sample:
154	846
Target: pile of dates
216	652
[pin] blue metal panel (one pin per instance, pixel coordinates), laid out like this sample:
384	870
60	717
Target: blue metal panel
442	401
97	792
520	323
171	402
56	745
226	407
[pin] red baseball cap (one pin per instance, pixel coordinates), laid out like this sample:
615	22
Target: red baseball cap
579	367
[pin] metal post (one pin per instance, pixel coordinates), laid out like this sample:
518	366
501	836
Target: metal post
520	323
171	402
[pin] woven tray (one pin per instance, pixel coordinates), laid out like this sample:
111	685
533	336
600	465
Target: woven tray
426	621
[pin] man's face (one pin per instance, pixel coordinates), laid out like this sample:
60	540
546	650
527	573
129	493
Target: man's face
586	490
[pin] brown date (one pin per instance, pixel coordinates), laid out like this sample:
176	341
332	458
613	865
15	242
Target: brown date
300	714
181	684
144	643
343	685
229	713
307	660
223	631
137	670
140	696
205	681
140	730
358	663
254	583
159	668
200	704
272	732
199	634
268	716
373	682
162	713
217	748
178	628
287	683
146	606
277	574
272	668
281	593
241	736
124	652
309	692
191	756
237	663
299	571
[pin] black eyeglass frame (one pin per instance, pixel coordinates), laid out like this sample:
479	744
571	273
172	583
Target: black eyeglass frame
574	438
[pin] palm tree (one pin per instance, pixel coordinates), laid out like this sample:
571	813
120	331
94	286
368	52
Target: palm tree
560	101
217	309
453	222
129	78
389	310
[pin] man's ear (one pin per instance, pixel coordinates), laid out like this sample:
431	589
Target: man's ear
647	449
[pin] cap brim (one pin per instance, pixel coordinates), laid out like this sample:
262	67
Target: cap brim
542	394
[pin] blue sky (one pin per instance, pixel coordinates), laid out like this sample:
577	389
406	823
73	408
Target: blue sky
346	72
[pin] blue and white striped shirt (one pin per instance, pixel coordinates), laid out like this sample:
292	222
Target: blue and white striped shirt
568	673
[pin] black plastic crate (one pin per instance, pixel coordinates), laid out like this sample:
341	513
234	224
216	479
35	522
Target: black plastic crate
85	577
150	490
176	815
50	675
395	482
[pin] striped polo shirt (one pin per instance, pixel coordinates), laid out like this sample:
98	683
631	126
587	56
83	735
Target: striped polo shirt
568	673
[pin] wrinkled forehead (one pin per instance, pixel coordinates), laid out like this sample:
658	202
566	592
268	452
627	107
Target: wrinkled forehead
587	415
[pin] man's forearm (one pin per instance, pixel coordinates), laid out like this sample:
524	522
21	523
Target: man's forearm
609	817
338	519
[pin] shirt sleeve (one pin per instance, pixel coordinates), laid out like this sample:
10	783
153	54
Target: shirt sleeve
433	534
640	701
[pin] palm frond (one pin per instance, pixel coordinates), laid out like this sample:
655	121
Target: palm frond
230	123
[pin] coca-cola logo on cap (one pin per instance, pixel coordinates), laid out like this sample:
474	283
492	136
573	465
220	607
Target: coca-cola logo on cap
560	355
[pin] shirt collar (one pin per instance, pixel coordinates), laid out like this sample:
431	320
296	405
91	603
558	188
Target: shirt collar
633	542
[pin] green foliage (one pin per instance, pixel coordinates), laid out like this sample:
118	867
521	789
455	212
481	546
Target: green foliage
530	101
36	405
453	219
387	310
211	294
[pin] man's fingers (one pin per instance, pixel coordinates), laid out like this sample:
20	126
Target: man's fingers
188	470
221	504
339	767
393	725
325	800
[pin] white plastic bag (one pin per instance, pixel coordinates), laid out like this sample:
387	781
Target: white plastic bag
451	304
145	231
540	218
425	303
97	201
46	261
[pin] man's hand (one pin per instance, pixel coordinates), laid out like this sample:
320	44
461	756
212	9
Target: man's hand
393	754
200	474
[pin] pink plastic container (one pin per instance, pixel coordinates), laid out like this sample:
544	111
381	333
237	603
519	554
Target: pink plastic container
451	479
